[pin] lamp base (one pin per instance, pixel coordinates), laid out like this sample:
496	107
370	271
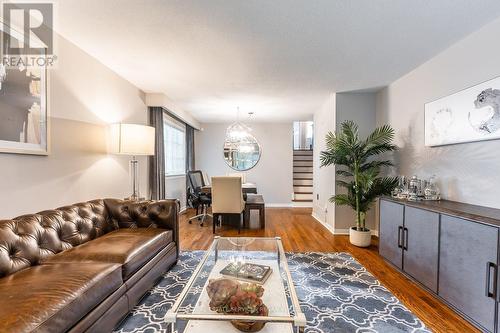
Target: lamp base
134	180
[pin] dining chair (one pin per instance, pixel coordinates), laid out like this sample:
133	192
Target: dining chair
227	199
197	197
242	175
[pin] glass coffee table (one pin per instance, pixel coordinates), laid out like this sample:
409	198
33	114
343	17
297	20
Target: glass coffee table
192	313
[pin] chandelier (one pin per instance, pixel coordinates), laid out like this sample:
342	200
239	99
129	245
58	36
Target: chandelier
238	132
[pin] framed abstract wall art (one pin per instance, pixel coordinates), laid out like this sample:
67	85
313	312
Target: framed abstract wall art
472	114
24	119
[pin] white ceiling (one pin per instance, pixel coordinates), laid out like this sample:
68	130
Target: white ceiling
277	58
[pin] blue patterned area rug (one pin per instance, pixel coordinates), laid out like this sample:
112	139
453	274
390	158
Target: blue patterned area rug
336	294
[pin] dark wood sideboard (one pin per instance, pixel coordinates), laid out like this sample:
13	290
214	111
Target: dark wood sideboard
450	248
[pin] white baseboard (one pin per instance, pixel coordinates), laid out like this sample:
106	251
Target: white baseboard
279	205
299	204
323	223
337	231
317	218
346	232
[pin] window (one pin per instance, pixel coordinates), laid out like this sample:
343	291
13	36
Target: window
174	137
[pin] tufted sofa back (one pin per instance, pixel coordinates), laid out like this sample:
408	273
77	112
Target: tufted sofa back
145	214
28	239
142	214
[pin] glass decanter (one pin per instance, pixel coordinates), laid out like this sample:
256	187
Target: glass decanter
413	187
431	191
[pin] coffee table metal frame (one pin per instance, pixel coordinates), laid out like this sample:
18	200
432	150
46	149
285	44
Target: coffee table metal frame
298	320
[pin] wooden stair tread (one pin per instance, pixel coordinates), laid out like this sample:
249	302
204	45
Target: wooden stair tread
303	192
302	200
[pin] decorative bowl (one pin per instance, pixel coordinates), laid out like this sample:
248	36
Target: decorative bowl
231	297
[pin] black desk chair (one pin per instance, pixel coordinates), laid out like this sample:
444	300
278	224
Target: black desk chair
197	197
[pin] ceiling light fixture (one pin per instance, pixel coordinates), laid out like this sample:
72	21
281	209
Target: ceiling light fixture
238	131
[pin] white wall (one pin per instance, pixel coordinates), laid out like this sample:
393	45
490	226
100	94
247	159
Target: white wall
360	108
84	97
273	173
467	172
323	178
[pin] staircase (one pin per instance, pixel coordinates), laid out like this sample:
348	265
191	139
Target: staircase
303	177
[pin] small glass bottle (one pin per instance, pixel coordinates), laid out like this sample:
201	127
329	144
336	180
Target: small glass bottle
403	188
413	188
398	189
431	190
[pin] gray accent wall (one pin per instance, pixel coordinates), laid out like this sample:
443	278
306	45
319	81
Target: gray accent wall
360	108
466	172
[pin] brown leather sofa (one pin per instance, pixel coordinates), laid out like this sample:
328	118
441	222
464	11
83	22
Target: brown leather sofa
82	268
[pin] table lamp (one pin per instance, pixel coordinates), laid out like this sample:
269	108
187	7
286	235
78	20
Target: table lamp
133	140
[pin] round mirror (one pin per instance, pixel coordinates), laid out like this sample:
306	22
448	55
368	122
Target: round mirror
242	155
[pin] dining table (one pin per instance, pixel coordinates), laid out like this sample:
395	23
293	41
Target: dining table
248	188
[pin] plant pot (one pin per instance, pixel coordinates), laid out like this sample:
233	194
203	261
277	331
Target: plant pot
251	326
361	238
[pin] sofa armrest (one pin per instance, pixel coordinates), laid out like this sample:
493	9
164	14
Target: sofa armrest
145	214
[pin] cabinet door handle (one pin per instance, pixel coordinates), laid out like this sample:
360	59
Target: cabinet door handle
495	281
405	233
488	293
497	285
400	229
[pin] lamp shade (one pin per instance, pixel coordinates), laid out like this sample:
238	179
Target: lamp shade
132	139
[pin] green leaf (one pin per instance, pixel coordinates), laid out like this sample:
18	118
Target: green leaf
341	200
375	164
380	136
356	163
350	131
379	149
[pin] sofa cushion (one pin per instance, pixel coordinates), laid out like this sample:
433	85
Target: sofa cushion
53	298
131	248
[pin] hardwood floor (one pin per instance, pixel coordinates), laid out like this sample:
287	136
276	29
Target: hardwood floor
302	233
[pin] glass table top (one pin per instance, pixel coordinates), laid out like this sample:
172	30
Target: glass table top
279	293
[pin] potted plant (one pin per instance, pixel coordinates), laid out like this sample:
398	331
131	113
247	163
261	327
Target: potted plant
359	170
